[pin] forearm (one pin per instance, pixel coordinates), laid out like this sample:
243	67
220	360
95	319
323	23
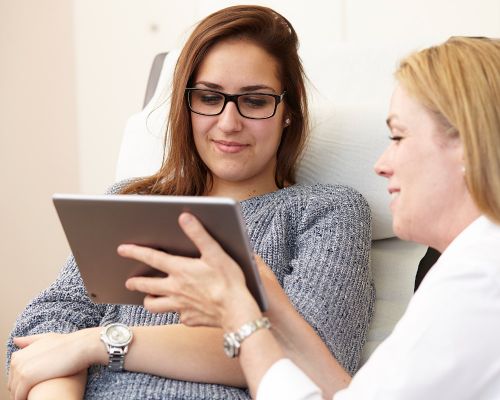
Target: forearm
290	336
68	387
304	347
258	353
176	352
185	353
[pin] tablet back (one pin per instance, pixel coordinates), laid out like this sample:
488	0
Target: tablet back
96	225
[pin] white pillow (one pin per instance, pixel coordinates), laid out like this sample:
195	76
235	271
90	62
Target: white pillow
345	143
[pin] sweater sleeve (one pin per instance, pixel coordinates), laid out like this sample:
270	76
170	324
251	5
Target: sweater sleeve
63	307
330	282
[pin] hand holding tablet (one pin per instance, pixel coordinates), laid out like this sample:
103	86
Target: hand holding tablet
201	290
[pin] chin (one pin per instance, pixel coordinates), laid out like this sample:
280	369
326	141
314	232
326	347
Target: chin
400	231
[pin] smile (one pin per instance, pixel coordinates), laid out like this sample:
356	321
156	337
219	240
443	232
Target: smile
229	147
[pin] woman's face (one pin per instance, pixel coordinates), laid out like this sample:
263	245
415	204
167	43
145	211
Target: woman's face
424	168
237	150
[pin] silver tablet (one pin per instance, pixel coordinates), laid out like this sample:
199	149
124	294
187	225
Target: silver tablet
96	225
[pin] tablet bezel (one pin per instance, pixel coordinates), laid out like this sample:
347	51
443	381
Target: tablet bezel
96	224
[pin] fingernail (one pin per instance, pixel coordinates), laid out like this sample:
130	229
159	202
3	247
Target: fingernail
186	218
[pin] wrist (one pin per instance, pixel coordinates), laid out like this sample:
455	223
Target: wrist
92	348
240	311
233	340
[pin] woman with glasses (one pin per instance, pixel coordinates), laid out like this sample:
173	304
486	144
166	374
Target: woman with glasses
443	174
237	126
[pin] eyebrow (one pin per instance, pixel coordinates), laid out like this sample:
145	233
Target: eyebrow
250	88
392	123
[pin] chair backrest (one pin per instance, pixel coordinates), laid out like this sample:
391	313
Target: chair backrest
349	92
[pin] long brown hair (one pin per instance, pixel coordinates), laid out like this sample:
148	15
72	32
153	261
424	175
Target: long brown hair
183	172
459	81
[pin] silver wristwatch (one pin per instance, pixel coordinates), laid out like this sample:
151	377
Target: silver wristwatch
116	337
233	340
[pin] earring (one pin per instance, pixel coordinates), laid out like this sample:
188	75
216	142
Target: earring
463	169
287	122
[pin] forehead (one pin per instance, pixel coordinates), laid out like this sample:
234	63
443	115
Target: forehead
235	63
405	104
407	111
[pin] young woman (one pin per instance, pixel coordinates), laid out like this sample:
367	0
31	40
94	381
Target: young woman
237	126
443	176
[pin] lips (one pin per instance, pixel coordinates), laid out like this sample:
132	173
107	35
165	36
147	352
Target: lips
229	146
394	193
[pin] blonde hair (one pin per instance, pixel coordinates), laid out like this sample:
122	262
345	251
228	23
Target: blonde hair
459	80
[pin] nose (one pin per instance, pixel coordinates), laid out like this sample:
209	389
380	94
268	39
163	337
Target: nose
382	166
230	119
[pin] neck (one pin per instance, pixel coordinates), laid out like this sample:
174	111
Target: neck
464	216
242	190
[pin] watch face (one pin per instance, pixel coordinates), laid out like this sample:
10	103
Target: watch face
118	335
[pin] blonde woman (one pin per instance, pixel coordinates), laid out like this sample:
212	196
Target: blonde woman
443	173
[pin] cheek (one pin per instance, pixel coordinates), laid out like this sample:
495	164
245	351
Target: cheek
200	128
269	134
199	125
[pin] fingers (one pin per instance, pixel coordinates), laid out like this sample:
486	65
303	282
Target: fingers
157	259
19	380
159	297
160	304
153	286
23	341
195	231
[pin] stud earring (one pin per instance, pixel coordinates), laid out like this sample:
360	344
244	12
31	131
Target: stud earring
287	121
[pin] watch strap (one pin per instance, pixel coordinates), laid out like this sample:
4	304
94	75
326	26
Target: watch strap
250	327
117	358
245	331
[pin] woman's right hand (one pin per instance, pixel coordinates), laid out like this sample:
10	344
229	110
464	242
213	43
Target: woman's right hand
209	290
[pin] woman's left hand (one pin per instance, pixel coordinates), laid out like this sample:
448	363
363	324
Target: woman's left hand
209	290
51	355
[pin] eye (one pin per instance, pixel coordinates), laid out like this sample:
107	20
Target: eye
210	98
206	97
256	101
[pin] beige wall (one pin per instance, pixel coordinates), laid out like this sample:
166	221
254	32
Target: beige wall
38	148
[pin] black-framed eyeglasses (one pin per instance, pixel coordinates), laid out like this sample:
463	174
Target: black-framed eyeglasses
249	105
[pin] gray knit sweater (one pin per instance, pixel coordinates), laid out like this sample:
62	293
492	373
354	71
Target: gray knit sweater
315	238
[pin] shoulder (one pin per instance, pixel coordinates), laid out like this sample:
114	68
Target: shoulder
117	187
338	198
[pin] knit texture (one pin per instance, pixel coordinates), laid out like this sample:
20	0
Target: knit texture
315	238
